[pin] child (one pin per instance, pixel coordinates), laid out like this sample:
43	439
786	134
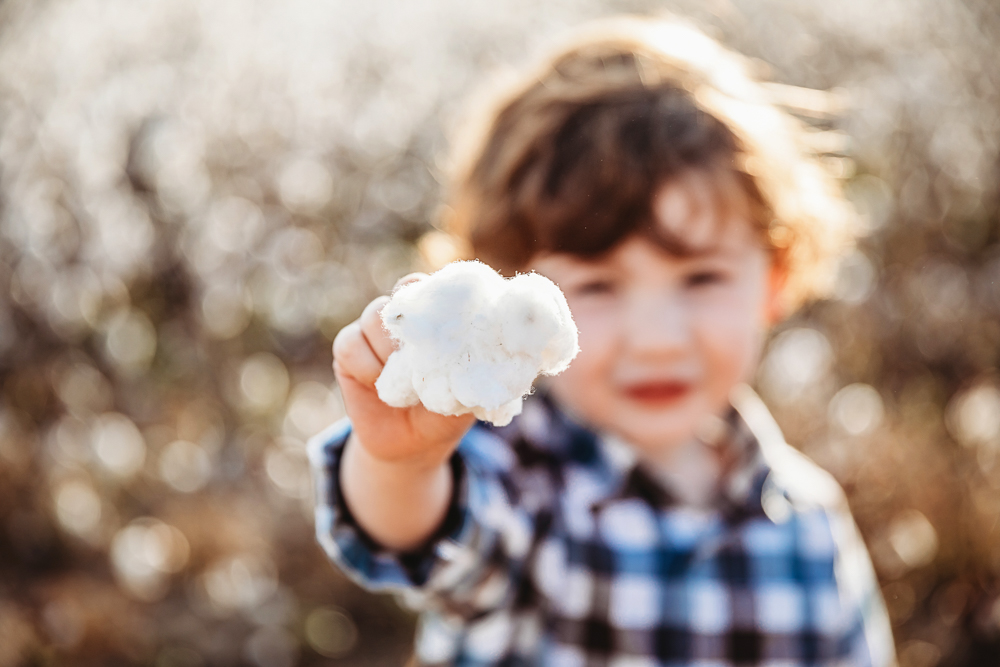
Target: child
644	508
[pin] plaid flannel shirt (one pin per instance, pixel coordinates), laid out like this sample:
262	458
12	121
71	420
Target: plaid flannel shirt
558	551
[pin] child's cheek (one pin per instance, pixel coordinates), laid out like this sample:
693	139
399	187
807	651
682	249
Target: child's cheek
732	333
595	320
580	386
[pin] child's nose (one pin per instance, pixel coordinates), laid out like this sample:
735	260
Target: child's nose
658	325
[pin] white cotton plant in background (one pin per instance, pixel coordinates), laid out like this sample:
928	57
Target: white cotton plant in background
469	340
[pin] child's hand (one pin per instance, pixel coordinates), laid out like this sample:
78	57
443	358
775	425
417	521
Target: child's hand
394	473
393	435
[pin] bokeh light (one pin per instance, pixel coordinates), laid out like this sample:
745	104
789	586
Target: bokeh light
240	582
913	538
974	416
145	553
798	361
118	444
263	382
330	632
185	466
78	507
857	409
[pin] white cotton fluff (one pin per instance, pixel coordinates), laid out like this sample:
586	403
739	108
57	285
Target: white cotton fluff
470	341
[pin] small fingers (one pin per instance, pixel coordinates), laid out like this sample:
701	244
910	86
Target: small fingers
353	356
408	278
370	323
371	327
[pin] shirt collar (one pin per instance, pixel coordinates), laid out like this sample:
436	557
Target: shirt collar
747	430
736	493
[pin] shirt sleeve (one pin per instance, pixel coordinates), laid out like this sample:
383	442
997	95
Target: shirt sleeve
469	566
869	639
858	622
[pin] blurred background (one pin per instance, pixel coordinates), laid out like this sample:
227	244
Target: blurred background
196	196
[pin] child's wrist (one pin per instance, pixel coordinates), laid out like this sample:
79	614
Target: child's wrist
399	505
424	464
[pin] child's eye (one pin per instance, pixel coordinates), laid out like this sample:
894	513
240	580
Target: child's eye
705	278
595	288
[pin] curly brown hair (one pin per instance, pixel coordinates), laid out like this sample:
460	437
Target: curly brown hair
569	157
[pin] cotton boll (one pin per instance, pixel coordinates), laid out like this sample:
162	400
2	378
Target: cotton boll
529	318
502	415
459	288
491	380
435	393
564	345
395	383
470	341
544	313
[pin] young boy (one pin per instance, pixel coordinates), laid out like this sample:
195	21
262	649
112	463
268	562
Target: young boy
644	508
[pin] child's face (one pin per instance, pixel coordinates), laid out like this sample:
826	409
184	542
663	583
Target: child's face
664	338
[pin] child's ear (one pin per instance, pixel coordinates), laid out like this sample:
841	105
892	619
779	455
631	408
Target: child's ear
776	305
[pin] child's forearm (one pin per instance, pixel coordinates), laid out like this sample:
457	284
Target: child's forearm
399	504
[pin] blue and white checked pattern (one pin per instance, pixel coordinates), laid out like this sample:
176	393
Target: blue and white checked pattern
556	553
